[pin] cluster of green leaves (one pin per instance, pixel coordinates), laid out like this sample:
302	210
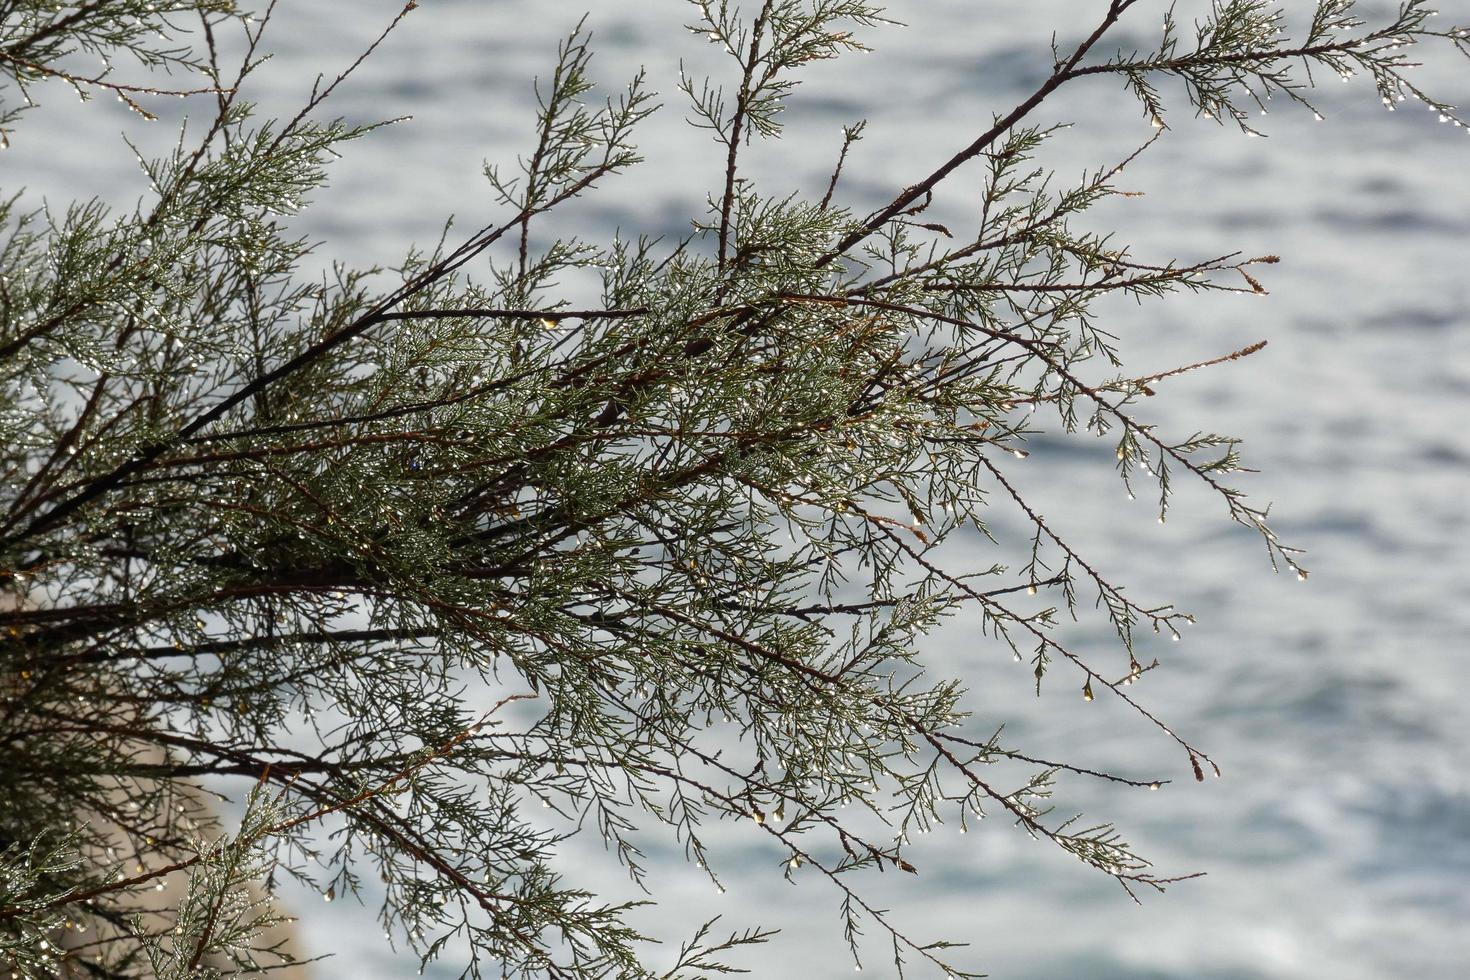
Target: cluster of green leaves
447	568
46	40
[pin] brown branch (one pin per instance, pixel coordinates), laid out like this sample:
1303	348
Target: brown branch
1223	359
737	122
923	188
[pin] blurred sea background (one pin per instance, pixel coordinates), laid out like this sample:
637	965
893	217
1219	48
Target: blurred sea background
1337	843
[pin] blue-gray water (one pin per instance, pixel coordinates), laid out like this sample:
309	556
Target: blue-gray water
1338	841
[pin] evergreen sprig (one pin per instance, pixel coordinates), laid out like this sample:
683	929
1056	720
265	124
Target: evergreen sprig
292	535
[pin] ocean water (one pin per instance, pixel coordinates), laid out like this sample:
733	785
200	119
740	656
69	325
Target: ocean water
1337	843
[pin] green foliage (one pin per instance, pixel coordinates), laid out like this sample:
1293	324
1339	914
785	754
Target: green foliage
43	39
440	568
